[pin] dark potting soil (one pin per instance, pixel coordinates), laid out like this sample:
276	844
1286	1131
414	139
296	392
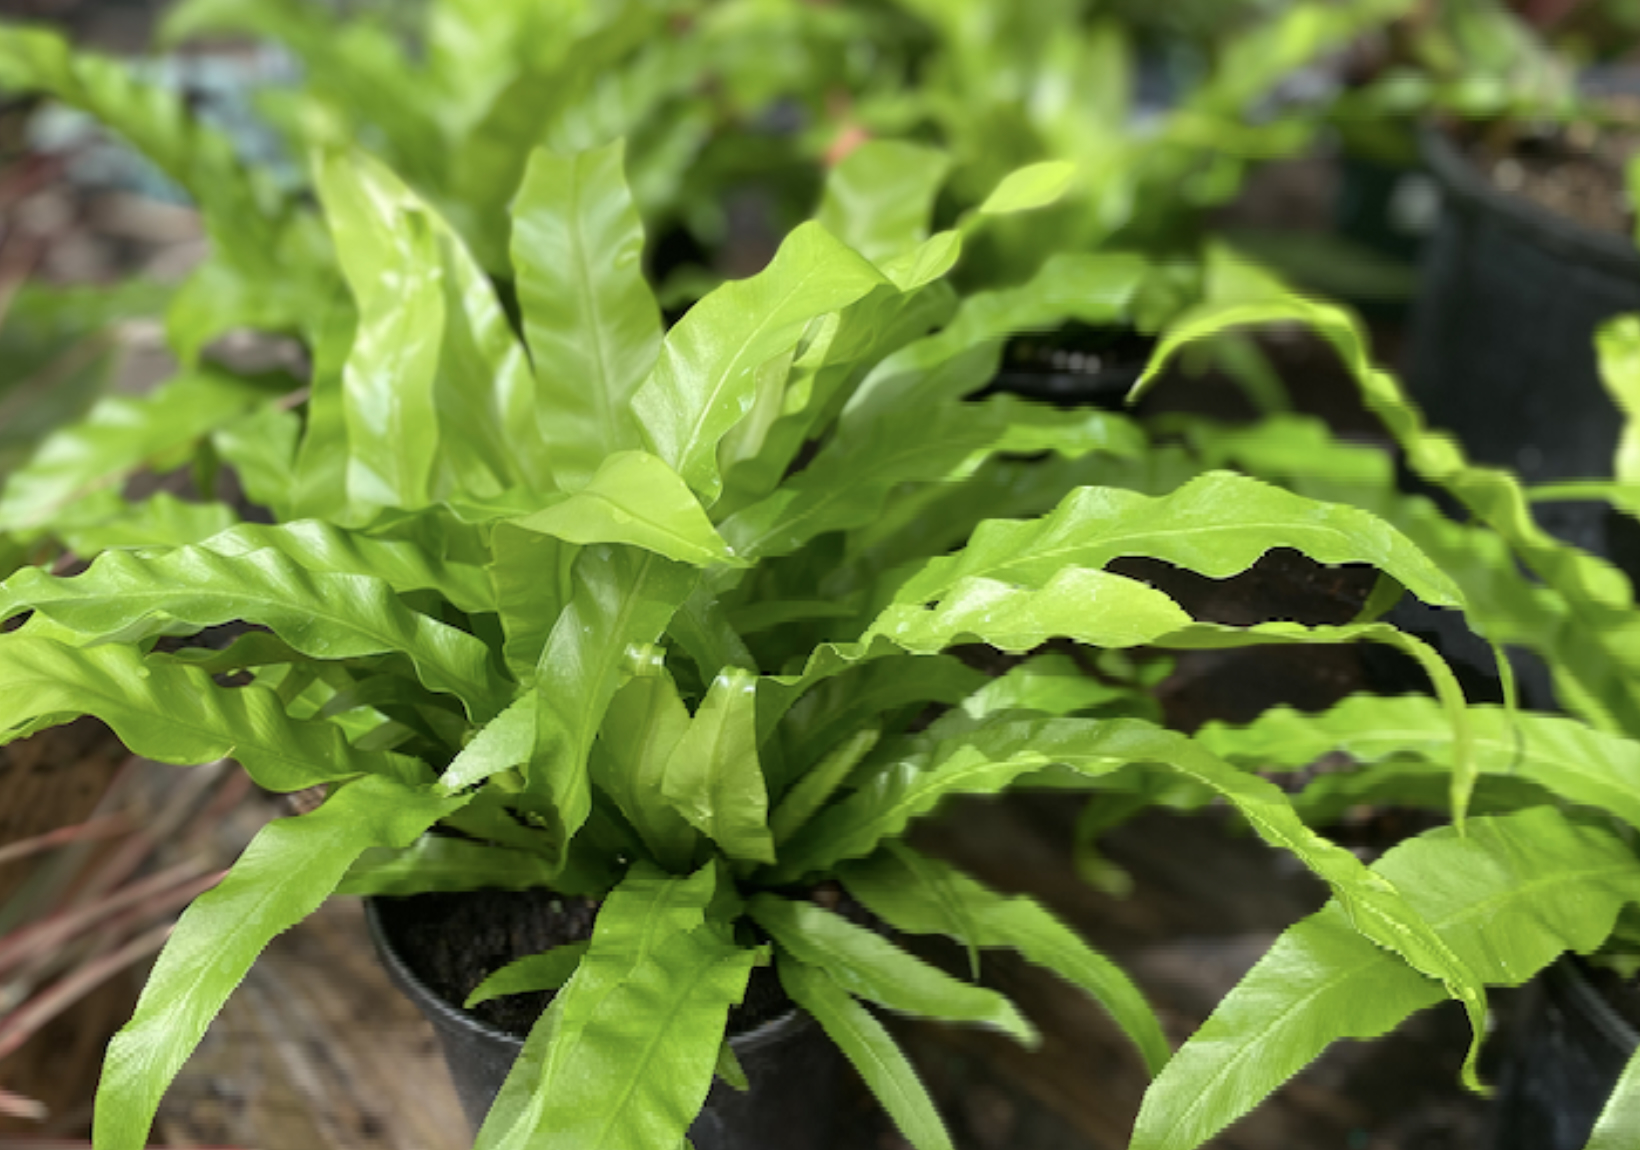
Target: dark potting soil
1574	170
453	942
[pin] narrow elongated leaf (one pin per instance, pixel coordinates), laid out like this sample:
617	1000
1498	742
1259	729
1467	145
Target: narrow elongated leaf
1619	1122
879	198
702	382
118	436
531	578
589	316
712	777
635	498
926	896
443	863
1568	758
162	520
1507	897
847	485
990	758
1030	188
322	547
548	970
505	742
623	598
130	595
870	1048
868	966
1618	344
1093	607
819	783
624	1056
177	714
645	723
387	246
1217	525
291	867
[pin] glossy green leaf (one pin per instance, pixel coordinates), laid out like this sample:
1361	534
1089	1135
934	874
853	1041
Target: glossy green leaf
1053	683
1093	607
712	777
879	197
162	520
988	759
1570	759
443	863
870	1048
819	783
530	575
1508	897
1216	525
321	547
548	970
1619	1122
176	714
625	1054
623	598
847	484
636	499
589	316
260	446
645	723
327	616
1618	345
1030	188
869	966
905	889
702	383
388	249
291	867
505	742
119	436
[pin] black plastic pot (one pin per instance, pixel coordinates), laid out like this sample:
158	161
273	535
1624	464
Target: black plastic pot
1566	1053
1502	343
792	1067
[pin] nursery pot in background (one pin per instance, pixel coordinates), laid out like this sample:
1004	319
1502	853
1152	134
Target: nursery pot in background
792	1068
1502	343
1566	1052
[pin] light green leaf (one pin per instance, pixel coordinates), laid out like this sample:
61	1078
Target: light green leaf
603	1068
848	483
1618	345
1093	607
623	598
530	575
702	383
870	1048
442	863
176	714
119	436
1029	188
1570	759
868	966
988	759
646	721
925	896
291	867
712	777
879	198
161	520
1619	1123
1217	525
819	783
129	595
387	245
534	972
1507	897
260	446
321	547
589	316
637	499
505	742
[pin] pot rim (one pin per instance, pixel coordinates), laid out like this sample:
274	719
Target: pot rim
764	1034
1459	177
